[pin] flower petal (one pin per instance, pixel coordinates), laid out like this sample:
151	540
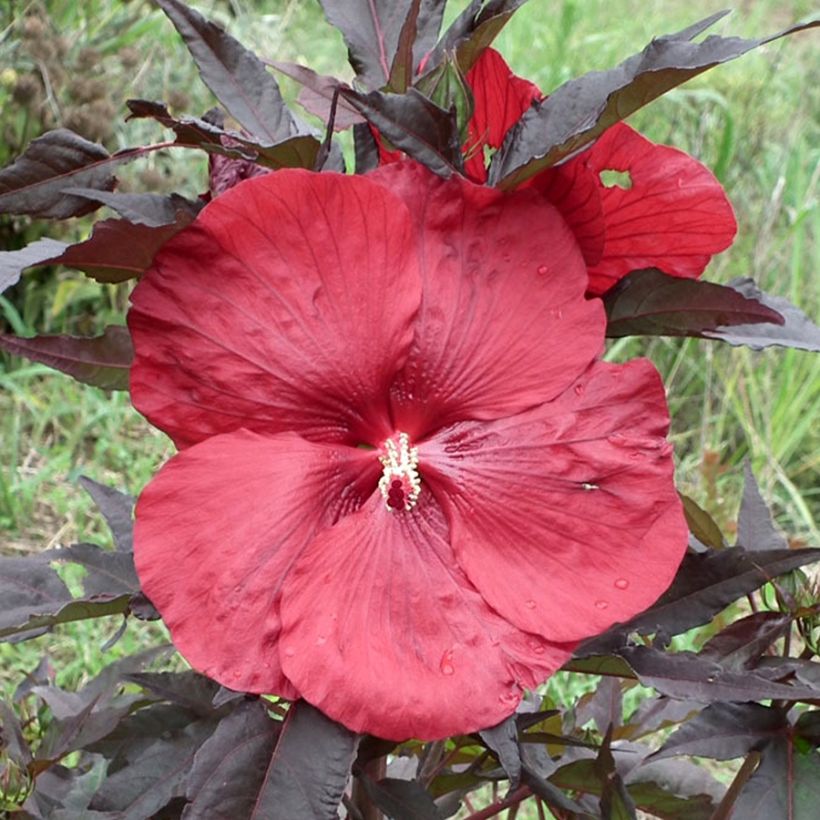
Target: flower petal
674	216
566	517
217	530
382	631
287	305
500	98
503	324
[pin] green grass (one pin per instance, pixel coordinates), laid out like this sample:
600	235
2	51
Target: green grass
753	122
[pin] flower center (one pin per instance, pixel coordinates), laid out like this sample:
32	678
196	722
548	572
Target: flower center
400	484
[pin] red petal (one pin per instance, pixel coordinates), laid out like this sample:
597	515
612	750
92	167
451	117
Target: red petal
674	217
287	305
217	530
503	323
382	631
566	517
500	99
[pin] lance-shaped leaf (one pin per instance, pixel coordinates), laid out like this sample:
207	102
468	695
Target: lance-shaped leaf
153	210
309	768
414	124
616	802
651	303
705	584
724	731
237	77
503	741
473	31
229	768
13	263
402	799
101	361
686	676
701	524
578	112
372	30
33	598
786	784
677	789
741	643
797	330
34	182
755	528
188	689
317	94
117	509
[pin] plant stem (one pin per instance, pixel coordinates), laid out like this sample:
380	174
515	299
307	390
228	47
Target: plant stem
375	770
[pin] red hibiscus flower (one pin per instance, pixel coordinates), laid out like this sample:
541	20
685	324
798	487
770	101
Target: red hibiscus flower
406	485
668	212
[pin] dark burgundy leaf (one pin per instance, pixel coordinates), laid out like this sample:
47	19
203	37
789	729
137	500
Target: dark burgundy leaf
705	584
402	799
797	330
367	152
236	76
688	677
604	706
189	689
34	182
588	663
42	675
13	263
502	740
675	789
224	695
414	124
755	528
153	210
62	793
724	731
578	112
701	524
808	726
309	768
741	643
658	713
785	785
229	768
372	29
117	509
317	94
473	31
102	361
193	132
402	66
650	303
12	742
615	801
32	596
156	774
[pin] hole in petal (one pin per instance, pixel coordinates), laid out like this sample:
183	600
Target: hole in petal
615	179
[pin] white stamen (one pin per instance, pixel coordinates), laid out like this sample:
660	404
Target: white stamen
400	484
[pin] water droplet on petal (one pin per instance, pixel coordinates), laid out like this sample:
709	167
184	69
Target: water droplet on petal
579	389
321	640
602	604
621	583
542	270
446	664
529	603
290	652
536	646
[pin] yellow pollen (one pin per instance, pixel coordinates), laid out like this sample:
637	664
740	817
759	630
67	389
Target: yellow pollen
400	484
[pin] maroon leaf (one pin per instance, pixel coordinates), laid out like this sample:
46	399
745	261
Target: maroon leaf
117	508
317	94
229	768
34	182
724	731
797	330
578	112
372	30
402	799
102	361
741	643
402	66
704	585
502	740
473	31
236	76
755	528
651	303
153	210
414	124
675	789
686	676
616	802
309	768
785	785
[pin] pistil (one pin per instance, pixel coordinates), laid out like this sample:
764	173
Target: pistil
400	484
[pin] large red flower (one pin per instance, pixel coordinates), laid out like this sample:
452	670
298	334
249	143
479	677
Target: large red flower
407	487
667	210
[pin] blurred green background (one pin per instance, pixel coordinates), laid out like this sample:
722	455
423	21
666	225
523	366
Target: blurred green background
755	122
